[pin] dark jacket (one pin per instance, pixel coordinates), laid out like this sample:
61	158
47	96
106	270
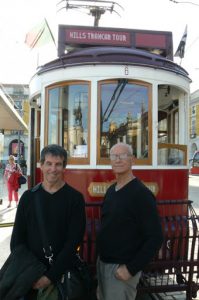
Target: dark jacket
63	214
18	273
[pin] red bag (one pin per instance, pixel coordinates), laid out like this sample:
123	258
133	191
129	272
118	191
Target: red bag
12	178
13	181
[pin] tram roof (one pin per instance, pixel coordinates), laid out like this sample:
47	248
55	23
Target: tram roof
114	56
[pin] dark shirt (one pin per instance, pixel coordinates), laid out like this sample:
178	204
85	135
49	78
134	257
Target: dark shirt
64	218
130	232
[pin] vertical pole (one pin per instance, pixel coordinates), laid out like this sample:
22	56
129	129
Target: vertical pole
19	147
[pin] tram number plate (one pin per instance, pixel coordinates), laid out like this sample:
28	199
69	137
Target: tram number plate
98	189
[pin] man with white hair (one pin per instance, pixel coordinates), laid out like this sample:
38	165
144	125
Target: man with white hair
130	232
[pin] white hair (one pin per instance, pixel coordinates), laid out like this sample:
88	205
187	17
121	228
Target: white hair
127	146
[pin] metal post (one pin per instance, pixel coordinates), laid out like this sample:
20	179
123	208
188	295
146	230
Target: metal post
19	148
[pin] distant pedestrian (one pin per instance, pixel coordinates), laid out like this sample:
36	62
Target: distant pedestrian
11	175
1	187
23	164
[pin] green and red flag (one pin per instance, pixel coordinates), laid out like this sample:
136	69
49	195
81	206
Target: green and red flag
39	36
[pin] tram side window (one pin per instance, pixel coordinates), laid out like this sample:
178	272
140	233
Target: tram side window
68	119
170	152
125	116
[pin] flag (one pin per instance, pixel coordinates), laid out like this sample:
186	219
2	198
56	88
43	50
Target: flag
181	48
39	35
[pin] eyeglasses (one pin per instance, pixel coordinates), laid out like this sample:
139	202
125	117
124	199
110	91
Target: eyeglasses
121	156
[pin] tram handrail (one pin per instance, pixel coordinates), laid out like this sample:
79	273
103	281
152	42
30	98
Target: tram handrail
9	224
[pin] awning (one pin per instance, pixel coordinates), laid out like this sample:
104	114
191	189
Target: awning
9	117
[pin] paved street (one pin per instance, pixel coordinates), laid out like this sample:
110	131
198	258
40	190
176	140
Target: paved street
194	191
8	215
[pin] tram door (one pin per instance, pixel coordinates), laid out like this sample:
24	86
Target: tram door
35	144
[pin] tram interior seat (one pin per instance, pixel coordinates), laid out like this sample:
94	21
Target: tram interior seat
166	157
174	161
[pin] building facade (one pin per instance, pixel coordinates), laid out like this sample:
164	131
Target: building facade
194	123
18	95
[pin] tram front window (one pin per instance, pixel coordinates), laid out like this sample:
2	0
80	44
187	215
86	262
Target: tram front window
68	118
125	116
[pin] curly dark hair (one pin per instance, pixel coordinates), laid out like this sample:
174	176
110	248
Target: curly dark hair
54	150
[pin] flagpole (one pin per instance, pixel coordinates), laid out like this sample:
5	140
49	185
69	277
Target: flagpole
37	59
50	32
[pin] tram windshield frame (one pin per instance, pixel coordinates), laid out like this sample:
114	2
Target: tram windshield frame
124	114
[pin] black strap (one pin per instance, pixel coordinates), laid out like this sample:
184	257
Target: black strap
38	209
46	246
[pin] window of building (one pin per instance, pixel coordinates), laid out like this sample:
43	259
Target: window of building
18	104
18	90
68	118
193	125
124	115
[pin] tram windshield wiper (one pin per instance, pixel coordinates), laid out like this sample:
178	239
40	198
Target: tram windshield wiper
114	99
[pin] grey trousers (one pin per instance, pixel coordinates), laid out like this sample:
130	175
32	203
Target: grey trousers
111	288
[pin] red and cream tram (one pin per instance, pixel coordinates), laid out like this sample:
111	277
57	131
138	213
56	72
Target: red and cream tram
109	85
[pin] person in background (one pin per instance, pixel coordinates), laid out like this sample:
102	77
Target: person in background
12	171
1	189
130	233
23	165
63	213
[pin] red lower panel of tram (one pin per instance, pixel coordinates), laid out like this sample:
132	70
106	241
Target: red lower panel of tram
93	183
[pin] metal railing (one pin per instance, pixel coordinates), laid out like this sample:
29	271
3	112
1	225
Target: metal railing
176	265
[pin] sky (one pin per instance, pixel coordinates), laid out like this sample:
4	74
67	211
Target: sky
17	17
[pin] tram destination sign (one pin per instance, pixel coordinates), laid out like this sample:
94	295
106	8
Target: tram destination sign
83	36
71	37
